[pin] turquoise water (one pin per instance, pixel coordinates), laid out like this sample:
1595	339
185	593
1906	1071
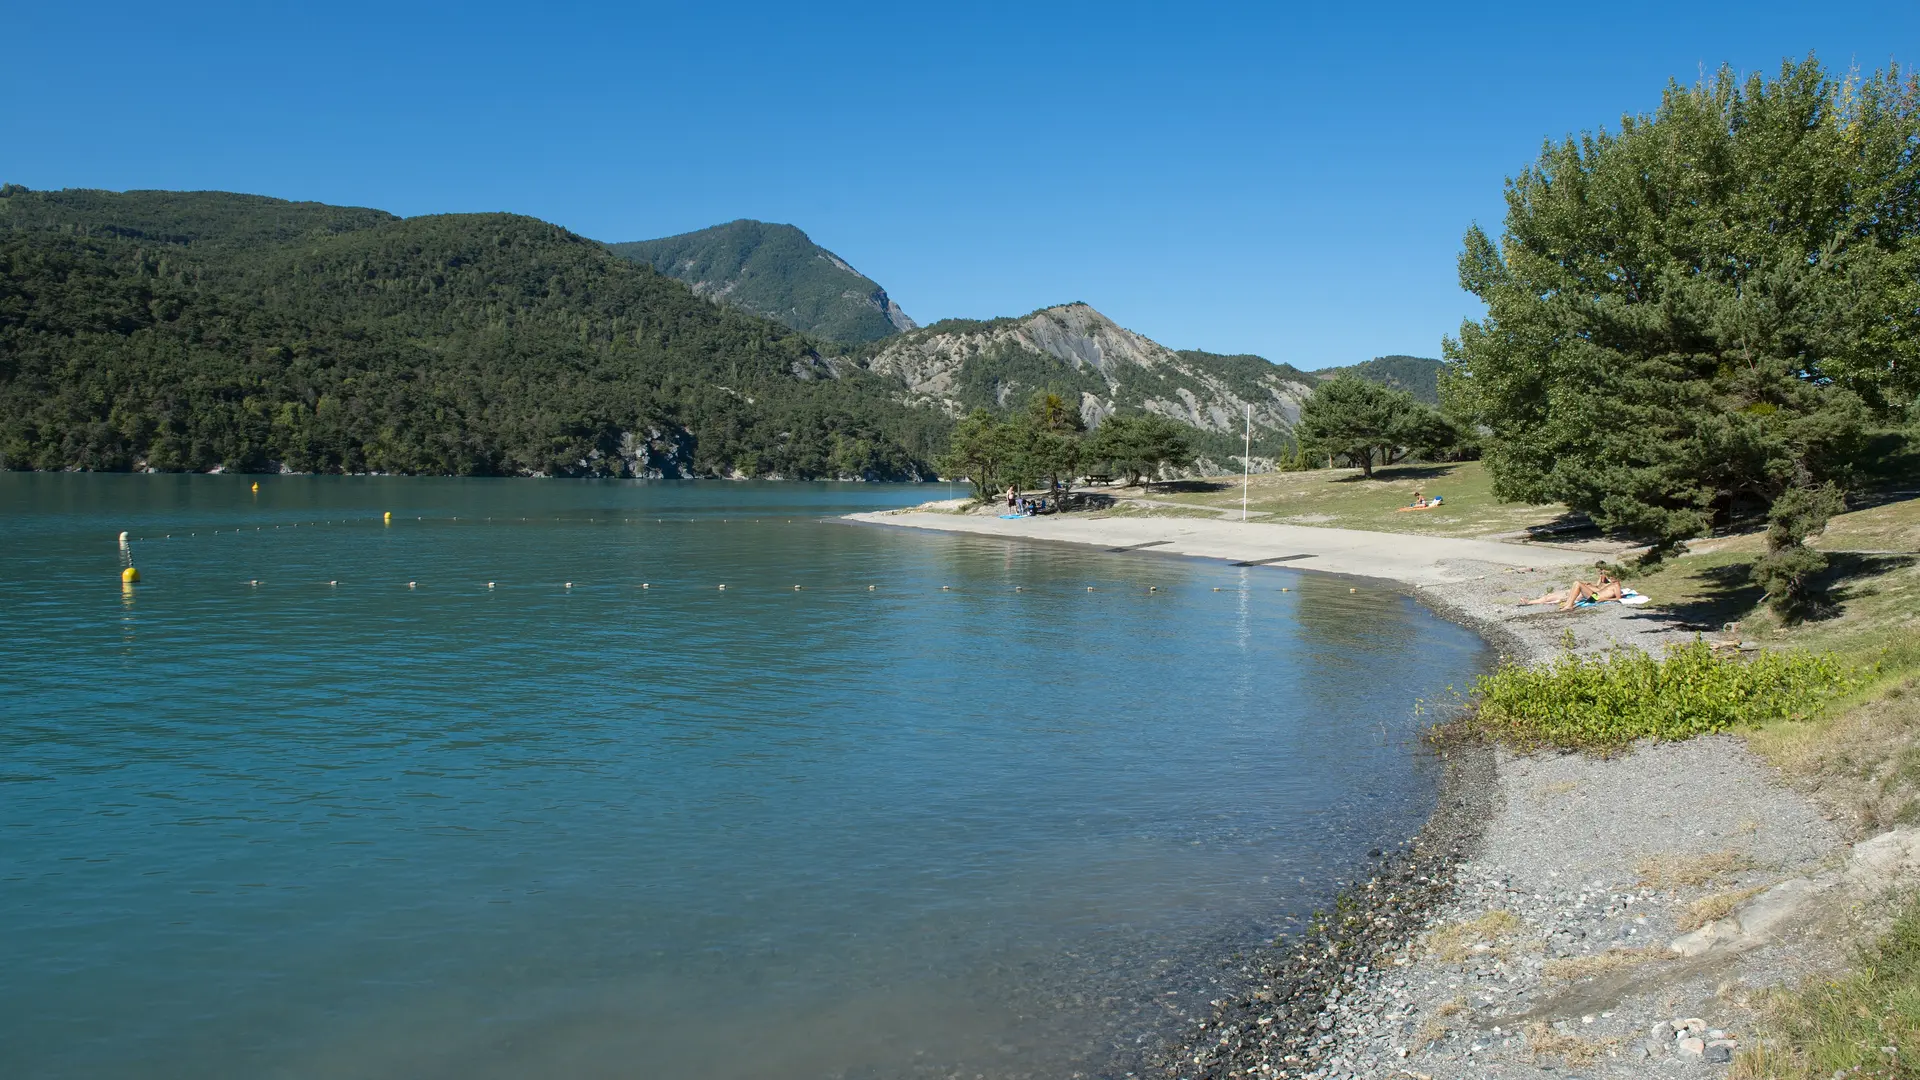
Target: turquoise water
275	813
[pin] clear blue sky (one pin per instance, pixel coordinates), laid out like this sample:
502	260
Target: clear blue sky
1287	181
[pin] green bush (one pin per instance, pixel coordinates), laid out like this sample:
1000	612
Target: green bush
1609	701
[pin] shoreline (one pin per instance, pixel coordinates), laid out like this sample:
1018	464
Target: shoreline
1523	928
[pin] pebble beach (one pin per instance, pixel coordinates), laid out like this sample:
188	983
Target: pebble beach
1583	916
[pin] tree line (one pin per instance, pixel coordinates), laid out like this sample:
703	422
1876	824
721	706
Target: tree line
1048	445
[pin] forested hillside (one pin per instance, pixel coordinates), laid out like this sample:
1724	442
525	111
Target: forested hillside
776	271
200	330
1417	375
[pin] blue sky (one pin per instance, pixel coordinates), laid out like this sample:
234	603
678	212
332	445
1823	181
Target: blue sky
1291	181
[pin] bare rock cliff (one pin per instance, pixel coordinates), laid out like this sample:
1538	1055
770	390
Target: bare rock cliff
959	365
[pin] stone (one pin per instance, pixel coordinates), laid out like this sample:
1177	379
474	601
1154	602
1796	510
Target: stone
1693	1025
1717	1054
1885	860
1692	1046
1662	1031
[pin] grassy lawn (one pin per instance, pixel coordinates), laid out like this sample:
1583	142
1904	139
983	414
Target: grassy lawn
1341	498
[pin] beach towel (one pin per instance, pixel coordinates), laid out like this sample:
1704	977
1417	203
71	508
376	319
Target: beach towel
1407	509
1627	597
1011	517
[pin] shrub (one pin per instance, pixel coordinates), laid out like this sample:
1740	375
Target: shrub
1609	701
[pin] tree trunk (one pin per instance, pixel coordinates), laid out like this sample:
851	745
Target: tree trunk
1366	463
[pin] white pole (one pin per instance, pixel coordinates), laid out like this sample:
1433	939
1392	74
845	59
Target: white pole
1246	465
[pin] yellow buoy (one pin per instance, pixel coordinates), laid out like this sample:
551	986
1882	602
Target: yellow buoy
129	575
387	518
256	487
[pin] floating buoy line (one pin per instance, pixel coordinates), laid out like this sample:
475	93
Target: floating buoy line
129	575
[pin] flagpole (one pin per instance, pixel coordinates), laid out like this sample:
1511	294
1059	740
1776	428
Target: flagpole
1246	465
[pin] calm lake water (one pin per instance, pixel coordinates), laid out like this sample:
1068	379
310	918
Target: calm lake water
328	825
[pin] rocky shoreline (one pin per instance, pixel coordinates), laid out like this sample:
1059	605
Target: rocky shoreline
1541	921
1289	991
1599	918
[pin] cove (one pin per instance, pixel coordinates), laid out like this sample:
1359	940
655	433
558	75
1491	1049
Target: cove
275	812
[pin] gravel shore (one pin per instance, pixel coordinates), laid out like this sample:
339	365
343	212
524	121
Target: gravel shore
1529	930
1530	926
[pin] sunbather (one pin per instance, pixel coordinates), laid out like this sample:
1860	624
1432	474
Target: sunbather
1607	588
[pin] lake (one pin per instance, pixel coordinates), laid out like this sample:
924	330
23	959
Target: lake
330	797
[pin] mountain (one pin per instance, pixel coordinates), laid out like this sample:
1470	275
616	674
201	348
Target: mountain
777	272
1417	375
188	330
957	365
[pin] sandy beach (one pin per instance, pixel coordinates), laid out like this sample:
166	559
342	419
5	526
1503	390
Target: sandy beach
1550	918
1408	559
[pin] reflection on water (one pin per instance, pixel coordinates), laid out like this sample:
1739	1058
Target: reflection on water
275	812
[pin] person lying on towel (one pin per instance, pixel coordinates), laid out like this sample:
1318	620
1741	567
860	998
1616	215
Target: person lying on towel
1607	588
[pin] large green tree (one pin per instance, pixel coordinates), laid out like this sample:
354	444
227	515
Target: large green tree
1140	444
1691	316
1365	422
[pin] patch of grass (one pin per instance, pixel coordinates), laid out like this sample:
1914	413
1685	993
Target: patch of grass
1572	1050
1864	760
1436	1026
1341	498
1671	871
1718	906
1607	702
1482	935
1865	1024
1575	968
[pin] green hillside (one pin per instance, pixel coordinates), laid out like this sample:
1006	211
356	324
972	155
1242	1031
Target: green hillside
194	330
776	271
1417	375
